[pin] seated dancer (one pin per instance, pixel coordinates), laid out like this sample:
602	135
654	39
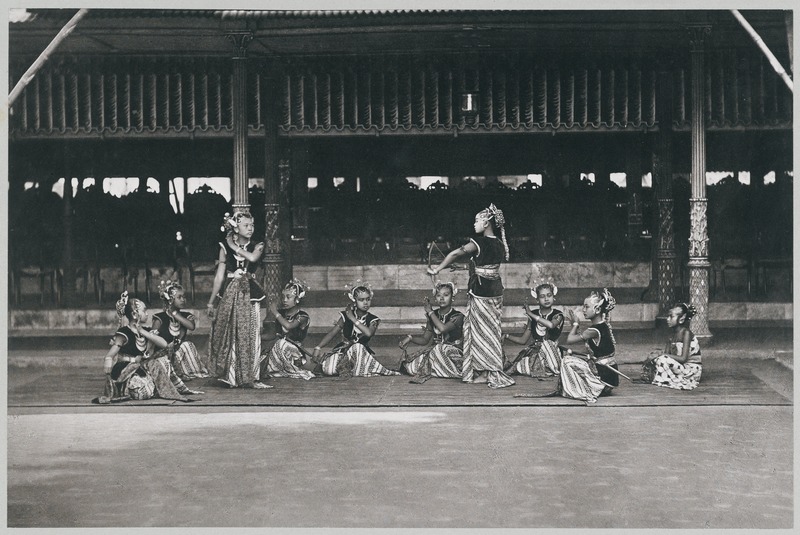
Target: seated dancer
287	356
353	356
132	369
444	328
680	367
587	378
172	325
541	358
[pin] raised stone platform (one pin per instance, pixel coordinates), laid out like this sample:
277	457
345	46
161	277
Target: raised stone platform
400	290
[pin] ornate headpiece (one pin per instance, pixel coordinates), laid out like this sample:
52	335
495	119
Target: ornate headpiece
538	284
689	310
122	303
357	285
451	285
167	289
607	301
493	212
231	222
298	286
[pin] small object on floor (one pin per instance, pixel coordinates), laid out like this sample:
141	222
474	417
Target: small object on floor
553	394
261	386
419	379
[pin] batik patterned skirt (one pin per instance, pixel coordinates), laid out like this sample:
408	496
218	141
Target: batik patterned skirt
187	363
541	359
482	346
579	379
143	380
283	360
235	348
440	360
353	360
668	372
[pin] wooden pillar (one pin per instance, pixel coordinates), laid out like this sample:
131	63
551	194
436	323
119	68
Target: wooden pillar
666	257
299	203
699	266
633	190
70	290
240	40
275	248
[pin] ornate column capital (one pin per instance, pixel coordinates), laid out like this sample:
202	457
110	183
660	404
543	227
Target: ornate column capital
697	35
240	39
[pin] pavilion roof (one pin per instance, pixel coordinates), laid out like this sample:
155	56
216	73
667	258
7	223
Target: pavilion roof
323	32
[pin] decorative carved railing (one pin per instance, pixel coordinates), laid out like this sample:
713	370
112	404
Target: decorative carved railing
184	97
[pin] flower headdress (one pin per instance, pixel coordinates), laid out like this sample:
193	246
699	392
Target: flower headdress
122	302
231	222
607	301
496	214
688	310
538	284
357	285
451	285
298	286
493	212
167	290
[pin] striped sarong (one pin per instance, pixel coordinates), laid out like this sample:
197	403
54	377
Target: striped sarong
482	346
356	359
443	361
187	363
670	373
579	380
539	360
282	358
235	347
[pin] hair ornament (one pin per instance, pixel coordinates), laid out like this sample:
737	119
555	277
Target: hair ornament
538	284
493	212
167	290
689	310
449	284
298	286
231	222
122	302
610	302
354	287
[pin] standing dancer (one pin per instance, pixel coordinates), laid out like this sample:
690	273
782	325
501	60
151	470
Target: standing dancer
353	356
542	357
680	367
235	346
287	356
445	328
172	325
483	352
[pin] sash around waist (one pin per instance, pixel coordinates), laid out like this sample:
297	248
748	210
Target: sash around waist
491	272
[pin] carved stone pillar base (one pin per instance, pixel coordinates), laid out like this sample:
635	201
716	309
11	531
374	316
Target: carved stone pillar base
698	296
667	294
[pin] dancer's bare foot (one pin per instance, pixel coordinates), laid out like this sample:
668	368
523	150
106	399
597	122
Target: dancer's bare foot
482	377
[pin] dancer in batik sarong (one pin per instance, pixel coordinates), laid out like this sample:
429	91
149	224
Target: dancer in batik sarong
133	367
681	367
541	358
235	345
287	357
173	324
353	356
443	333
587	377
483	352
